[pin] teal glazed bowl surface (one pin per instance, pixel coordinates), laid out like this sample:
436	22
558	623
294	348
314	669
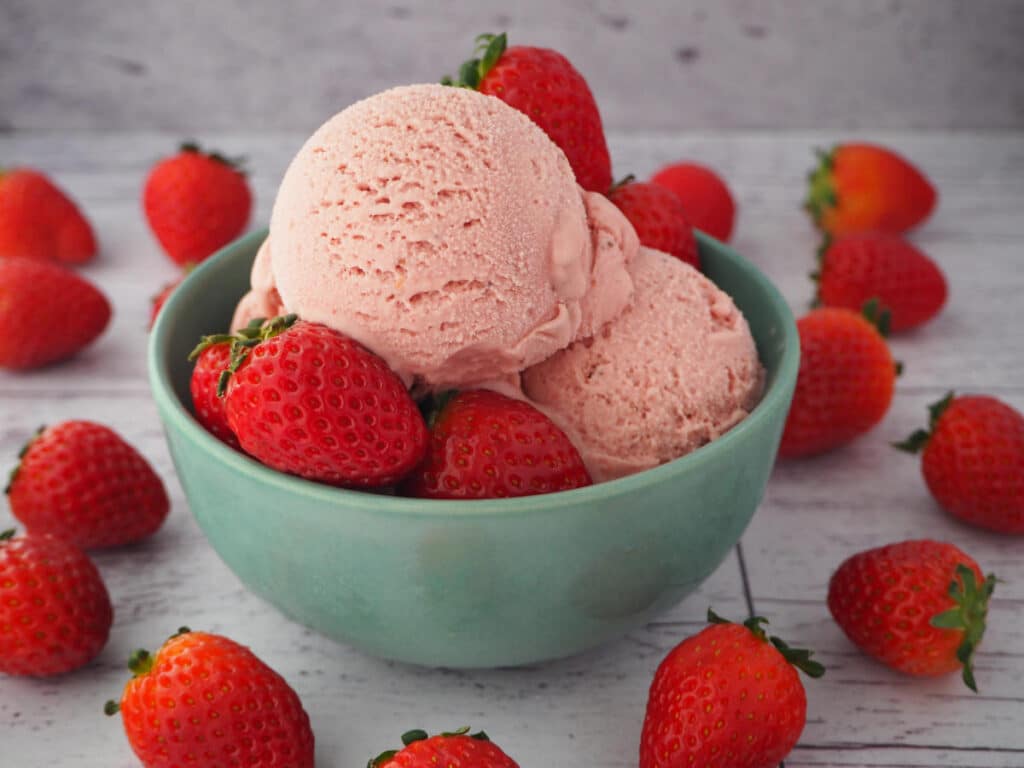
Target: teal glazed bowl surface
472	583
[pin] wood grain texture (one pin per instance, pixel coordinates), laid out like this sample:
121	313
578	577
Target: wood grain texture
679	64
584	711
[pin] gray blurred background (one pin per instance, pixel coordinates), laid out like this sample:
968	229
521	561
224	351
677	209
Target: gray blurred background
659	65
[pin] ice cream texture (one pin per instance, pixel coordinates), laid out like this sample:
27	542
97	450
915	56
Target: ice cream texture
443	230
675	370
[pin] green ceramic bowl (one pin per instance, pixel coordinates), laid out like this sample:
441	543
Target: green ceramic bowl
472	583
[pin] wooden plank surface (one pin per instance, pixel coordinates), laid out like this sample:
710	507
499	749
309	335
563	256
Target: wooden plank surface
584	711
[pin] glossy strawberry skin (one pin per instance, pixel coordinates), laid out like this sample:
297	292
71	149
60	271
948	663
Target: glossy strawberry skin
452	750
722	699
206	403
708	203
973	463
868	188
39	222
659	219
55	613
542	84
858	268
210	701
845	384
81	482
47	313
884	600
484	445
195	204
314	403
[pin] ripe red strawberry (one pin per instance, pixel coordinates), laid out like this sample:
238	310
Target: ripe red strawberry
47	313
866	188
55	613
973	460
705	197
196	203
82	483
916	606
857	268
307	400
487	446
542	84
458	748
38	221
206	700
845	384
658	217
160	299
212	358
727	697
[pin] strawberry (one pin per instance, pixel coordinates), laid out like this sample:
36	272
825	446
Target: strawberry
728	697
55	613
212	357
705	197
458	748
486	446
845	383
856	268
38	221
160	299
973	460
866	188
206	700
196	203
306	400
542	84
658	217
81	482
916	606
47	313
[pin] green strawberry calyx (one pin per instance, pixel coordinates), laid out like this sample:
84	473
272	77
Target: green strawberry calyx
434	404
242	342
918	439
7	535
967	615
798	657
418	734
21	455
821	195
234	163
820	256
140	663
485	55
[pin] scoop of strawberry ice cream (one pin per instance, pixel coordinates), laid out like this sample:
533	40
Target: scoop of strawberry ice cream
674	371
442	229
262	300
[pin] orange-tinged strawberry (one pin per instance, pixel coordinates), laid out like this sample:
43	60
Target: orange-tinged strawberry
857	268
38	221
728	697
47	313
55	613
867	188
460	749
845	383
916	606
973	460
196	203
205	700
542	84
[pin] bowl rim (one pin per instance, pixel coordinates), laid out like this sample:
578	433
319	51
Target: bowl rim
175	414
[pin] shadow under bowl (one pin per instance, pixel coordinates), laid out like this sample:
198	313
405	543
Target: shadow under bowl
472	583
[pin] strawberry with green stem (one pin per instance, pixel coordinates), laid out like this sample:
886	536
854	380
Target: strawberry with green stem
455	748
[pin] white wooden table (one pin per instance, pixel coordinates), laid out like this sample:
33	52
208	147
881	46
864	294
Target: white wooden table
584	711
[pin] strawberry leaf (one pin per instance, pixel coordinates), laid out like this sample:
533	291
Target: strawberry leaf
968	616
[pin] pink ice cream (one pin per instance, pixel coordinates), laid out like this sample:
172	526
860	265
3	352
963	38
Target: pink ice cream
445	231
262	300
676	370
